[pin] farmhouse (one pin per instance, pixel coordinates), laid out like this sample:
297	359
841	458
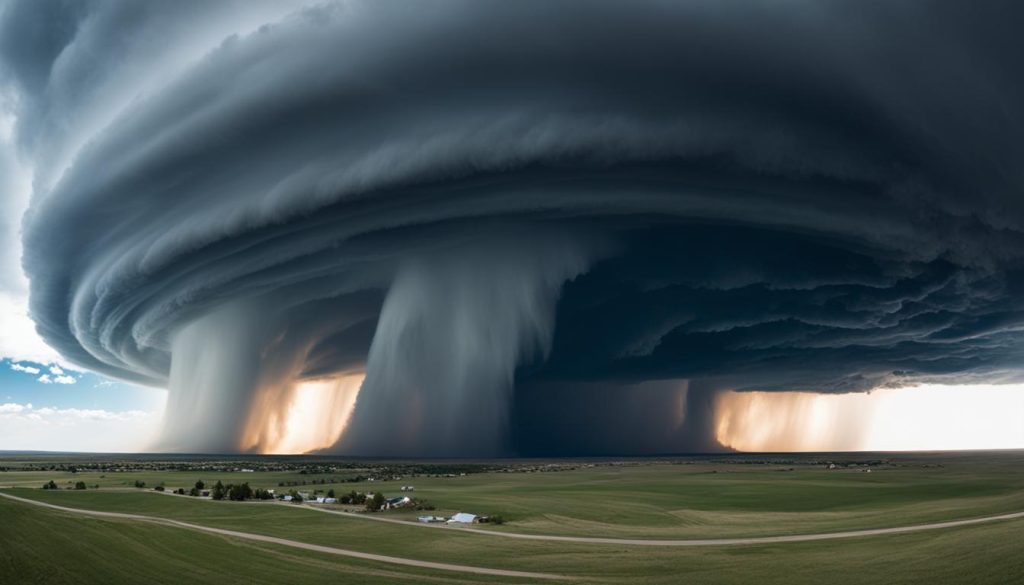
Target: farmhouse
430	519
399	502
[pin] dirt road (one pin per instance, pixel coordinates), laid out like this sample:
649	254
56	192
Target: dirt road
294	543
693	542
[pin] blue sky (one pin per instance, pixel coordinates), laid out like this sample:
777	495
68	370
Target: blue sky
52	407
88	391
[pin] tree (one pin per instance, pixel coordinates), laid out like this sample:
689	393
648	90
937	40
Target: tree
240	492
376	503
50	486
200	485
330	493
193	492
80	485
140	484
218	491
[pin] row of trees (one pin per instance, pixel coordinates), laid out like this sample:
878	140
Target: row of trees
50	485
239	492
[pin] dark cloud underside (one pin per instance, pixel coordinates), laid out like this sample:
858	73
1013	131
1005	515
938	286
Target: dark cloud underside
498	211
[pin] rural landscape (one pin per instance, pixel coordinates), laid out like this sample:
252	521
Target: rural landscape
689	519
611	292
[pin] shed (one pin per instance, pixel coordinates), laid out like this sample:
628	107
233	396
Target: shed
463	518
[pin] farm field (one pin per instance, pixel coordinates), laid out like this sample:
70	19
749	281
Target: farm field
656	499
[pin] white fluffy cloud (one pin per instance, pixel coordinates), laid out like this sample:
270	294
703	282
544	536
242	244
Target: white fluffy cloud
24	426
63	379
17	367
55	374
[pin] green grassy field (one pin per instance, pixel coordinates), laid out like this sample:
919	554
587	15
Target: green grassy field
42	546
683	499
700	499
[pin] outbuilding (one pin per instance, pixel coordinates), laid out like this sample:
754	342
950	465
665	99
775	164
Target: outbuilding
462	518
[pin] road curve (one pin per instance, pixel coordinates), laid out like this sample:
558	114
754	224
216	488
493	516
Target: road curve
295	543
697	542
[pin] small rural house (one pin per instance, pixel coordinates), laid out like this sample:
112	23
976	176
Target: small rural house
399	502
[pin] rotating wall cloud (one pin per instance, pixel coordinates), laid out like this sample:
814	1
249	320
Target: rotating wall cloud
643	199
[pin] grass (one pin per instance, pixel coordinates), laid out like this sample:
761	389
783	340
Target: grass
44	546
647	499
688	499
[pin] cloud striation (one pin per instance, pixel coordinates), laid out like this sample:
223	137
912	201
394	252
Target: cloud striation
536	227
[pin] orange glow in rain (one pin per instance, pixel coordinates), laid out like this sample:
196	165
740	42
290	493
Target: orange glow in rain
316	417
931	417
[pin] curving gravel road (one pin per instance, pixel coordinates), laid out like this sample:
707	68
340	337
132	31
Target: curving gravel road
576	539
695	542
295	543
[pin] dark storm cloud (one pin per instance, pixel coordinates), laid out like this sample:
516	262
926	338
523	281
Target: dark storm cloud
475	201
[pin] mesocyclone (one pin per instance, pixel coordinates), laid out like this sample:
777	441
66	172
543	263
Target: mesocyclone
538	227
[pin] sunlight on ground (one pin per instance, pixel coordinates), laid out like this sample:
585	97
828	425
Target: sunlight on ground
931	417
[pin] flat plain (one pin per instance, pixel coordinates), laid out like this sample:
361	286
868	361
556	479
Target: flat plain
656	499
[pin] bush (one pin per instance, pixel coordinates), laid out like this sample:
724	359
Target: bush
330	493
50	485
200	485
80	485
193	492
158	488
497	519
140	484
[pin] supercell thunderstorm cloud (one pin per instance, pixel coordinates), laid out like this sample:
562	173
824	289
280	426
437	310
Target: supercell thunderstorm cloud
534	227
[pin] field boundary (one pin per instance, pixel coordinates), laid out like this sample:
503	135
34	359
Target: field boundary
294	543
